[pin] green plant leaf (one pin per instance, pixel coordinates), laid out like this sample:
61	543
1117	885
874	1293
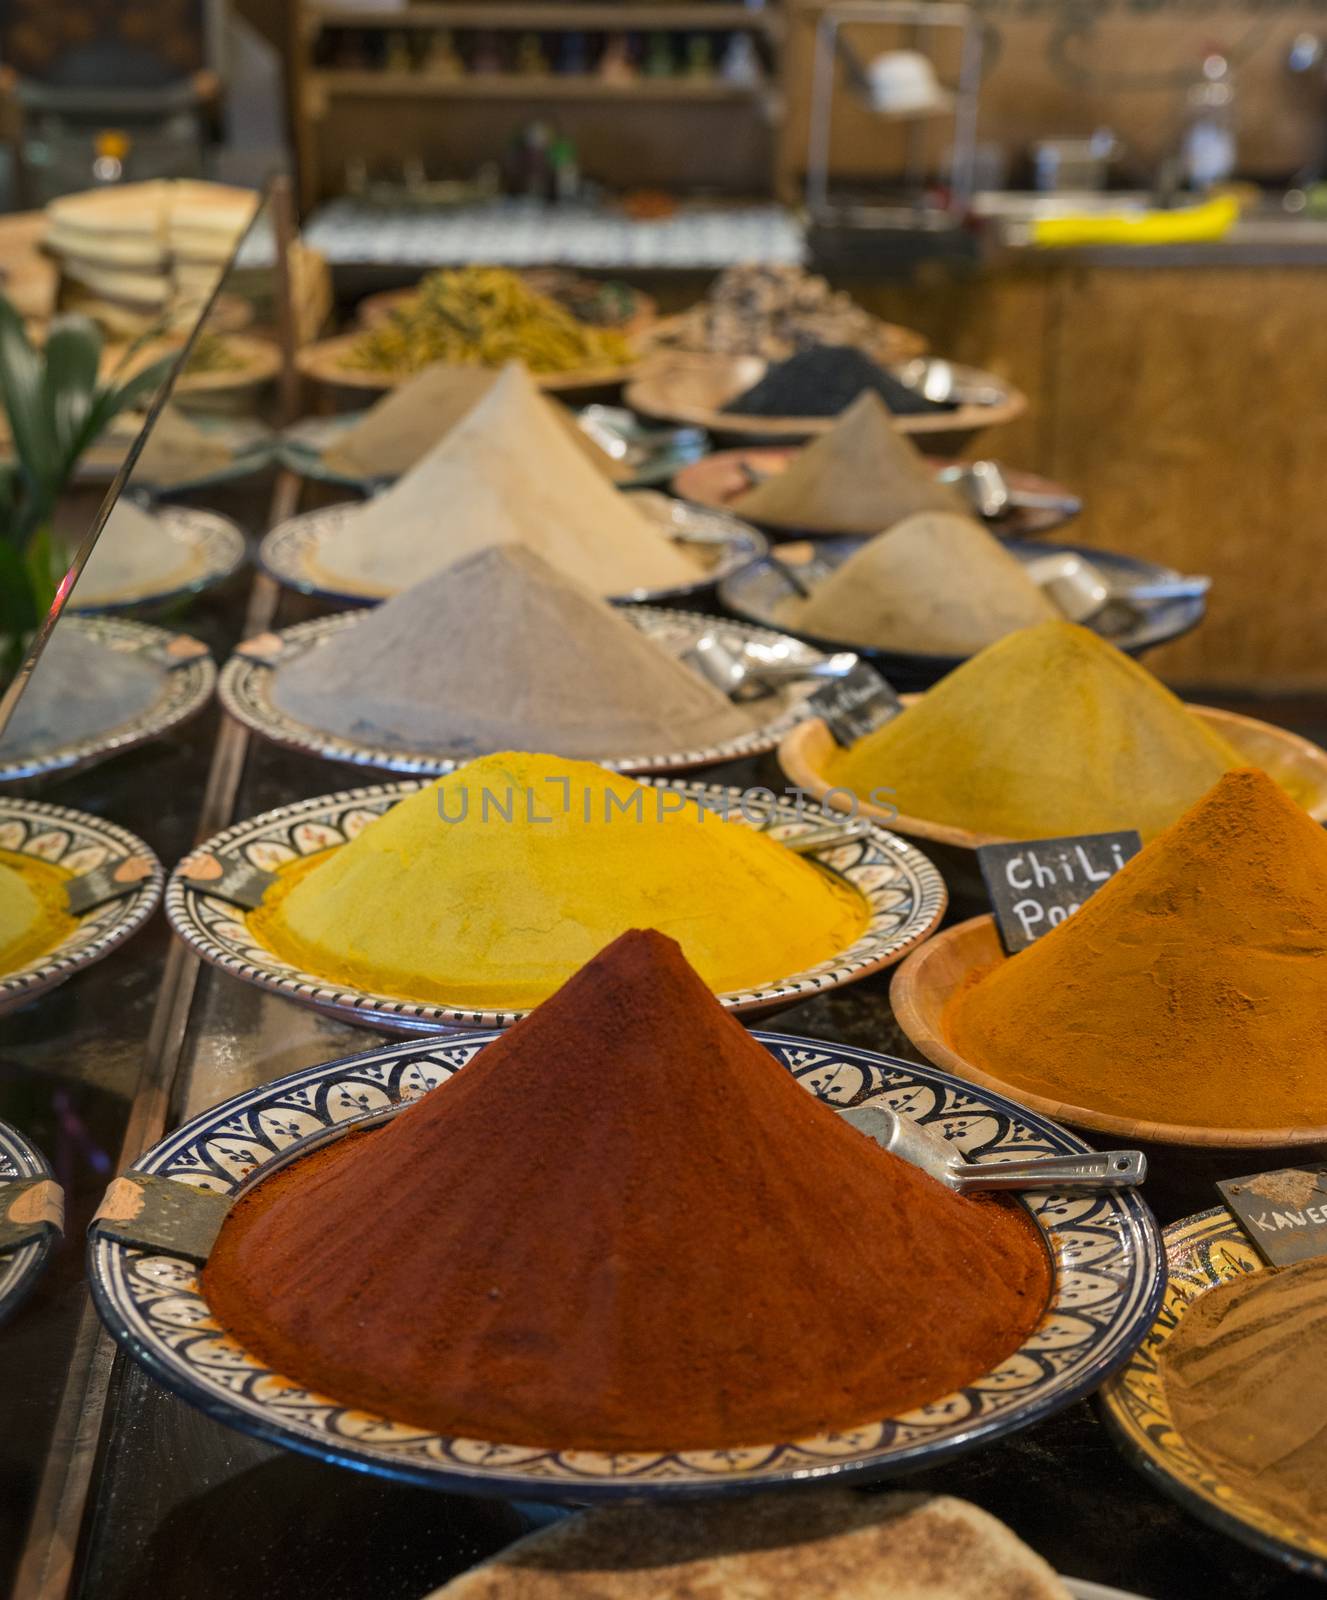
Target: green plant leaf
19	611
143	384
69	382
46	565
21	389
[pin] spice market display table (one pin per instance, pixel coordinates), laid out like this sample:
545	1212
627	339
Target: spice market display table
115	1488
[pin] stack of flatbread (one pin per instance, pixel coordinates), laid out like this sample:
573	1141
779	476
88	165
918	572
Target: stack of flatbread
131	253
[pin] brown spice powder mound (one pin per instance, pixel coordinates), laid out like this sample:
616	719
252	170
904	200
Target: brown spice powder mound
623	1226
1243	1374
1191	988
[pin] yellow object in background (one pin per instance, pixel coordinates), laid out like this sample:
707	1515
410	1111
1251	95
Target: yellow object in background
1186	225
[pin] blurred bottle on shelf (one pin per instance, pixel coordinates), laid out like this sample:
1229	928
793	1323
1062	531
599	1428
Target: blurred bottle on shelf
617	64
741	61
442	59
531	62
487	58
1209	138
397	57
659	56
574	55
566	170
700	56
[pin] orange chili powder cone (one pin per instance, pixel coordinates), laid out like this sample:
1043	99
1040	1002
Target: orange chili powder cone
624	1226
1191	988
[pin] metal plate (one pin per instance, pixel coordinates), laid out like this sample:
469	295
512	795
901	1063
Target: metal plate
184	691
211	549
1108	1282
289	553
757	592
246	687
302	447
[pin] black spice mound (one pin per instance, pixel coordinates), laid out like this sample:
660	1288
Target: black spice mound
824	380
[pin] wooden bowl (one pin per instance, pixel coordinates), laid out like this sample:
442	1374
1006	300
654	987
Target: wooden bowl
933	973
323	362
693	389
1281	754
891	343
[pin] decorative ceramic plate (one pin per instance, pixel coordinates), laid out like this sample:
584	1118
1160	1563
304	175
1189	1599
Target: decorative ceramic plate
905	893
302	448
290	553
1109	1274
720	478
20	1269
759	591
211	548
246	693
324	363
182	692
80	843
1201	1252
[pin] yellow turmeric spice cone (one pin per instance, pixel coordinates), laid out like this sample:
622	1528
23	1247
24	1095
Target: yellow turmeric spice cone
1051	731
491	887
33	913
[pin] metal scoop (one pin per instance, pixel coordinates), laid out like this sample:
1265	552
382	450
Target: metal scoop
1082	590
943	384
943	1161
618	434
990	494
744	674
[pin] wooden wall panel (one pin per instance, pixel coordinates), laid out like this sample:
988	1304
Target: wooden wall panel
1186	406
1189	410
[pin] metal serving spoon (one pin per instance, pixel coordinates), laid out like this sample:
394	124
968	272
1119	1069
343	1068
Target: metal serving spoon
990	494
744	674
1082	590
943	1161
942	383
618	434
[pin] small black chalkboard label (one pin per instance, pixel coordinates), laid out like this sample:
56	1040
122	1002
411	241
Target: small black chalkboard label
1036	883
856	704
1284	1213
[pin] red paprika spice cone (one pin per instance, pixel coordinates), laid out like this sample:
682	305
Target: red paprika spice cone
624	1226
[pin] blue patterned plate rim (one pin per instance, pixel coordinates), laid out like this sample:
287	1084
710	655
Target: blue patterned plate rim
1110	1274
904	890
284	553
80	842
245	692
184	691
20	1269
1201	1251
218	542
